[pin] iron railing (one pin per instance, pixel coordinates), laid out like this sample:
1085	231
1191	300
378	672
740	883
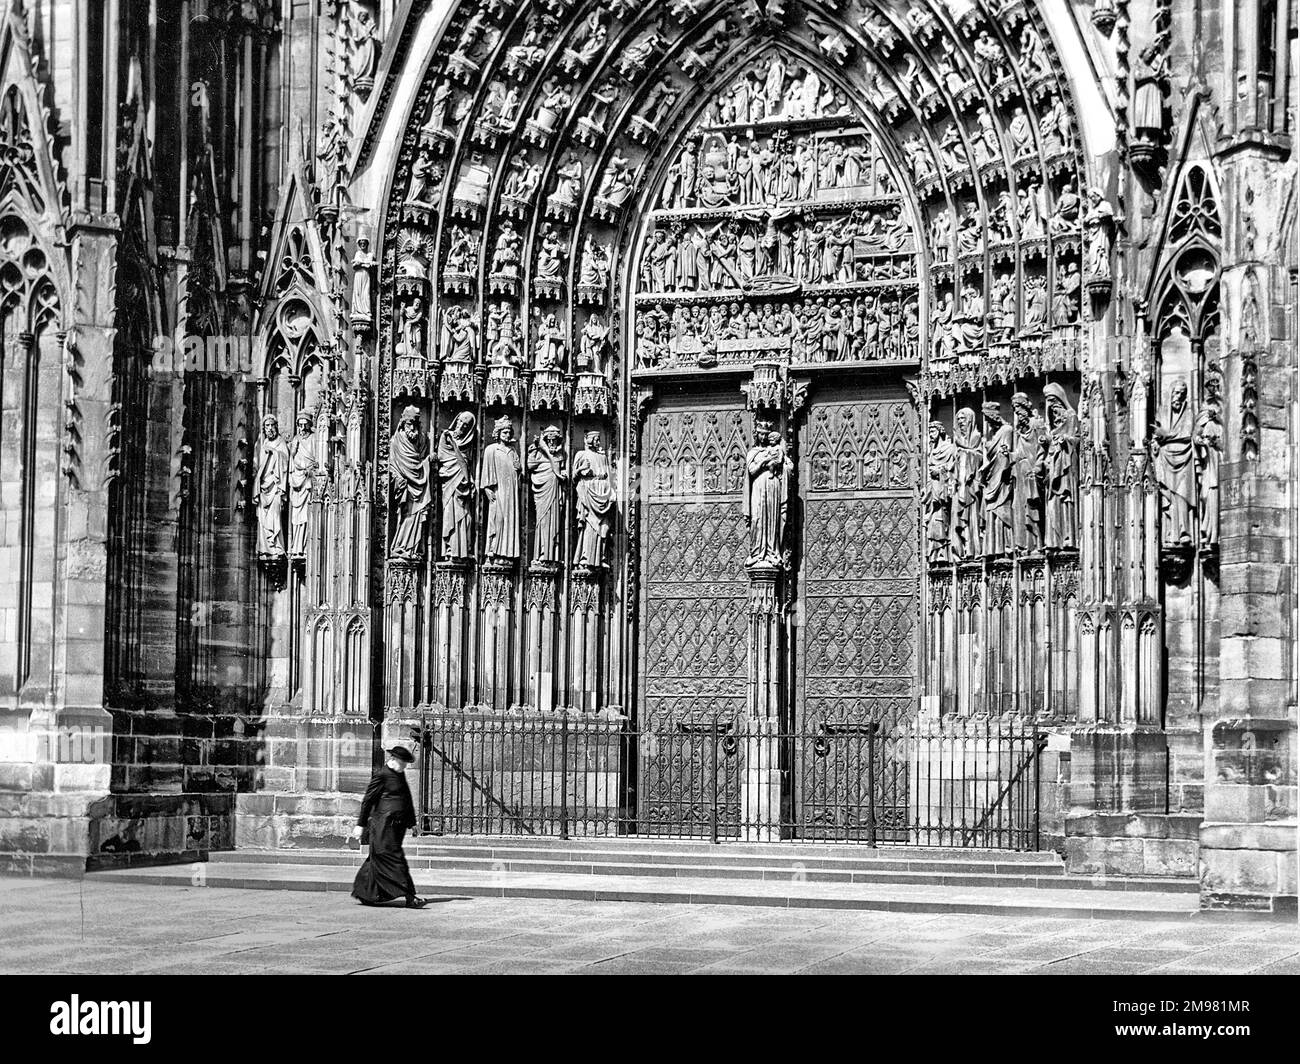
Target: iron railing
953	782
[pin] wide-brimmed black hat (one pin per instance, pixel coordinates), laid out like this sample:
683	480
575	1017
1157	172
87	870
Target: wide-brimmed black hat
400	751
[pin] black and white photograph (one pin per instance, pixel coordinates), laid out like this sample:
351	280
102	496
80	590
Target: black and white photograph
650	487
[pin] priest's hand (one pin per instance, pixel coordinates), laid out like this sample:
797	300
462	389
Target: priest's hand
356	832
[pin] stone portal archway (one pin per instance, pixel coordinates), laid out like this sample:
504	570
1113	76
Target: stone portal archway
638	247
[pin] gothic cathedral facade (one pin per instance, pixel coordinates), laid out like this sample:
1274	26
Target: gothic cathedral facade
720	368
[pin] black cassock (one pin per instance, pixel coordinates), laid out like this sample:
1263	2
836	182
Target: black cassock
388	811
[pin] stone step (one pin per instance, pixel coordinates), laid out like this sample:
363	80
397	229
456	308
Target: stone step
1042	877
731	847
784	893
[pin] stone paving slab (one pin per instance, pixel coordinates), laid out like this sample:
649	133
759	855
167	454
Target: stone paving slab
104	926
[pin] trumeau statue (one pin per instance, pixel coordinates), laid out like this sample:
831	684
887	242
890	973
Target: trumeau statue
1060	464
499	481
769	469
302	471
1176	470
410	471
270	490
547	476
941	466
594	498
996	481
457	487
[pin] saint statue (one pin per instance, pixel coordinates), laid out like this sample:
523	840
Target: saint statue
302	471
1060	465
769	469
1027	534
595	501
410	474
363	267
966	516
941	464
270	489
1098	223
547	474
996	481
593	345
499	481
1208	440
1176	470
457	487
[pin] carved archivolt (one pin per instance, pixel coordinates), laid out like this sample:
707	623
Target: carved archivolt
591	198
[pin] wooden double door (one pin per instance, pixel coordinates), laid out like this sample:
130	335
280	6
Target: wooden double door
849	634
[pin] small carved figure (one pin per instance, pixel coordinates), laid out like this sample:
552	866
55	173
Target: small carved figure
568	183
426	181
594	344
270	490
549	352
966	517
457	486
505	256
1065	219
459	340
410	485
594	272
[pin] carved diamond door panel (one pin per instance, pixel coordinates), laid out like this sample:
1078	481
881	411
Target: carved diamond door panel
857	653
694	617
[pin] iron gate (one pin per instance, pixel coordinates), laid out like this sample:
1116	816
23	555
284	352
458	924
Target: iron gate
956	782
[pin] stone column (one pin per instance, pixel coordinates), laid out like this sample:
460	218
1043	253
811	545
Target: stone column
584	607
760	790
496	602
540	603
1248	836
450	614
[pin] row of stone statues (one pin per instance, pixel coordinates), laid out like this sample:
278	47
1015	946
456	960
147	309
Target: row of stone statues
1000	488
776	89
501	471
875	325
282	487
737	254
715	172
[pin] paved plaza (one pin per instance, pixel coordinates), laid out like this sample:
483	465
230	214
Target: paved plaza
96	926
